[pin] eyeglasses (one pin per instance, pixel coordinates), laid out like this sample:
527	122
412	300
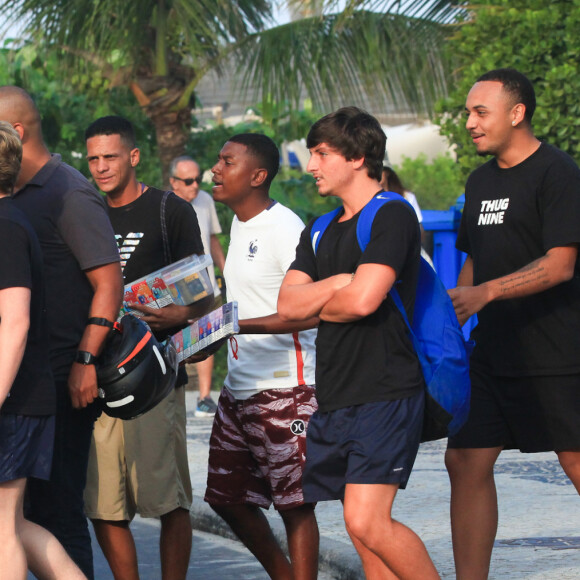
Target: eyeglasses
189	180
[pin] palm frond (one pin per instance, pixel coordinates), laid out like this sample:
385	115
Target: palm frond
395	59
129	28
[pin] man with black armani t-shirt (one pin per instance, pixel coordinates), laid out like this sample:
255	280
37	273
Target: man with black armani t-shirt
367	372
520	229
83	288
141	465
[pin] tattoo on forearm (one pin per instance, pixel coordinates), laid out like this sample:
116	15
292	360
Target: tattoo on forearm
530	274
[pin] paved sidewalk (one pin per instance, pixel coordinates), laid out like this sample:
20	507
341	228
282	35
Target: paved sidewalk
213	557
539	529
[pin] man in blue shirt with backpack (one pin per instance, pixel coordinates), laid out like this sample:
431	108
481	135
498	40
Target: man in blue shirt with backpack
363	440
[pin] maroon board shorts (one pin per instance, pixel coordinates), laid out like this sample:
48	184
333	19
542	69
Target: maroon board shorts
258	447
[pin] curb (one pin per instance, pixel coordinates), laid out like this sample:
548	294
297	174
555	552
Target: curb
335	558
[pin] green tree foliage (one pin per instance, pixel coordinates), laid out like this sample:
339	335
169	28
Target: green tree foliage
160	49
66	112
437	184
538	38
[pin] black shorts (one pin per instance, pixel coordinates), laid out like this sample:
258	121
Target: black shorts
374	443
25	446
532	414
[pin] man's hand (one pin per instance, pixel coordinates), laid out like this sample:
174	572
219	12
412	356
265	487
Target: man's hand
160	319
82	385
468	300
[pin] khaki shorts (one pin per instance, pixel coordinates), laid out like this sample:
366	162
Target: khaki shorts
140	465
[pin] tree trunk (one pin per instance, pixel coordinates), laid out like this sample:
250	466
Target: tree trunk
172	132
159	97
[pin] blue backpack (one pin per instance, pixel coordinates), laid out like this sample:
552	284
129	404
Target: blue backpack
437	337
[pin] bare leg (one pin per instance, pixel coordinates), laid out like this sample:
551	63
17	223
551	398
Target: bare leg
175	544
303	540
26	545
46	557
12	553
374	567
473	509
204	373
570	462
118	545
367	515
251	526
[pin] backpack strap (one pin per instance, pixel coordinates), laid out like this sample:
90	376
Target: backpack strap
365	220
363	235
164	236
368	212
319	227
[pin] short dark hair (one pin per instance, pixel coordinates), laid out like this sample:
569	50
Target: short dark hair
517	85
264	149
354	133
113	125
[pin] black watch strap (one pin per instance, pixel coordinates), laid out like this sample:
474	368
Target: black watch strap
85	358
100	322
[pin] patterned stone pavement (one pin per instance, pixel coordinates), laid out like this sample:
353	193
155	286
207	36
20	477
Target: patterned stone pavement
538	536
539	530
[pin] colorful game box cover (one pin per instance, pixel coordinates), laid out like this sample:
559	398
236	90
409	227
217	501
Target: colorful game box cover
216	326
183	282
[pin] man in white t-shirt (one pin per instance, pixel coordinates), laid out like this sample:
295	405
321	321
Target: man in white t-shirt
185	179
258	441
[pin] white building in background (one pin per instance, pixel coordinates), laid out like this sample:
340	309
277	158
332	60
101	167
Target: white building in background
408	140
414	139
407	136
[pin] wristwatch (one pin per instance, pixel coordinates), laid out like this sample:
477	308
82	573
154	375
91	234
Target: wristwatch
85	358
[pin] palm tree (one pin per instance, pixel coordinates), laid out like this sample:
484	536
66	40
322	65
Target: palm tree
162	48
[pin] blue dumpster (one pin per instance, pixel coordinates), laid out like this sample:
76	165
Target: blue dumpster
448	261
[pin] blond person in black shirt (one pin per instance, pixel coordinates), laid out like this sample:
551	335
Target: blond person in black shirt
27	393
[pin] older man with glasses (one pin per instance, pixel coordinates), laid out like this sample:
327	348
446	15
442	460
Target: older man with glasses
185	179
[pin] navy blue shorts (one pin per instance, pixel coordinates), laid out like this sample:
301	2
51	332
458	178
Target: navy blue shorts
25	446
374	443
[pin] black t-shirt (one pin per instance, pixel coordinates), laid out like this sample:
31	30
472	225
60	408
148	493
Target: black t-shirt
137	227
371	359
33	391
70	220
512	217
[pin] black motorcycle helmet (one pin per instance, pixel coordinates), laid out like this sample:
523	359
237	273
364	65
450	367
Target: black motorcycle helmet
135	371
